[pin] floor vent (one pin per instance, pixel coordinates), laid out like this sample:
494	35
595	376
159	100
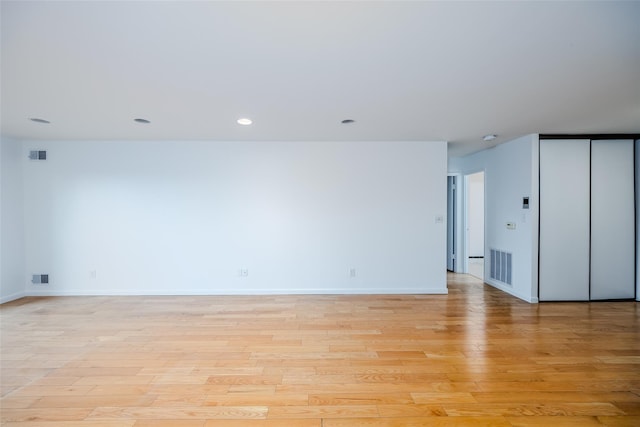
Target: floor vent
501	266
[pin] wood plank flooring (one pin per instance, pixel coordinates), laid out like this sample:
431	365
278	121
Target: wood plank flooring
475	357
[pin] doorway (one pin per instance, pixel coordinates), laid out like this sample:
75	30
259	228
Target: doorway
474	224
452	213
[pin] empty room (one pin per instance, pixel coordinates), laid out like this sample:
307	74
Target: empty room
319	213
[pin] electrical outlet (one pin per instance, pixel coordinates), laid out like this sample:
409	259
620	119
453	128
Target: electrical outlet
243	272
93	274
352	272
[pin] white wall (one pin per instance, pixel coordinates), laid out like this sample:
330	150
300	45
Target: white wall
105	217
510	174
12	256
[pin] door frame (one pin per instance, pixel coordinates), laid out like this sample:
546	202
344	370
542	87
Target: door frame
451	222
465	224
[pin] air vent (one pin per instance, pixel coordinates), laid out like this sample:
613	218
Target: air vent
39	279
500	266
38	155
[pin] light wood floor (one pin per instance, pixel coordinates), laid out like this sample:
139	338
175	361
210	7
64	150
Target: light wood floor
475	357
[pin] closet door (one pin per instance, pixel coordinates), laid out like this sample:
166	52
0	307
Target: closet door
612	220
564	220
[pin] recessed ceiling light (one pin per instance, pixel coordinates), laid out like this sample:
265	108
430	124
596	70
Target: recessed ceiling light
489	137
145	121
244	121
37	120
347	121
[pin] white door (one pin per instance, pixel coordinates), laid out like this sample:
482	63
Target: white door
564	220
474	214
612	220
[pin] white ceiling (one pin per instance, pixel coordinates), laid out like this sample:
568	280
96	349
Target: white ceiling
451	71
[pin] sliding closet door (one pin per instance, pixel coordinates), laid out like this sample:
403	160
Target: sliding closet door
564	220
612	220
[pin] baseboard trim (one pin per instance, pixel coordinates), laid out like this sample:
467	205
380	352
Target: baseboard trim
510	291
204	292
12	297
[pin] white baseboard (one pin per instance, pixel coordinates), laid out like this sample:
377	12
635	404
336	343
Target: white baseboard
13	297
510	291
324	291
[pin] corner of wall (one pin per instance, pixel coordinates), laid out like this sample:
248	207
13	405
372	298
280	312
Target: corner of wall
637	172
1	215
12	256
509	290
13	297
534	206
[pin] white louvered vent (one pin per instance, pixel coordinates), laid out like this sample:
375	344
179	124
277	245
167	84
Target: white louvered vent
501	266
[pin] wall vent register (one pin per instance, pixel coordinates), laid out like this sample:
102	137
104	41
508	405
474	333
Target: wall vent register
500	267
37	279
38	155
